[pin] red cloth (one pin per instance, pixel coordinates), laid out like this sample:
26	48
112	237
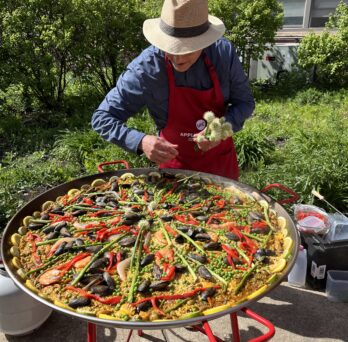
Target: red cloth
185	118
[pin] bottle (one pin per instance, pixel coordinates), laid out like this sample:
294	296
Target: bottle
297	276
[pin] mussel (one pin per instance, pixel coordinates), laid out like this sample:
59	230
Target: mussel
179	268
212	246
209	292
127	241
101	290
204	273
159	285
60	249
79	302
93	249
98	264
144	286
202	237
79	212
232	236
35	226
148	259
200	258
157	272
110	282
258	230
144	306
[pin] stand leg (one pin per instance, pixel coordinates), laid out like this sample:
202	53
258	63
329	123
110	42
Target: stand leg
235	328
129	335
91	332
140	333
271	330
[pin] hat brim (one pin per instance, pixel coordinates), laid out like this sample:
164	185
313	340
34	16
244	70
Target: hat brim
181	46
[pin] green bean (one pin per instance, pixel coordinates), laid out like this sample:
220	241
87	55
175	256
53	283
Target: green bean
190	240
246	275
50	262
177	305
96	256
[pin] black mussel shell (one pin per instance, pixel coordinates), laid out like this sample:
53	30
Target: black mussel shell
208	293
79	302
232	236
212	246
202	237
148	259
127	241
144	306
204	273
200	258
144	286
159	285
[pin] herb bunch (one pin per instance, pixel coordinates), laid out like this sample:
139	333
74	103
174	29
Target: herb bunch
217	128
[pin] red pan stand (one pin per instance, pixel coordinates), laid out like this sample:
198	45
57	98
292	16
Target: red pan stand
205	329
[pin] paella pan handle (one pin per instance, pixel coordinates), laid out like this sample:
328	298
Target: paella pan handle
294	196
125	163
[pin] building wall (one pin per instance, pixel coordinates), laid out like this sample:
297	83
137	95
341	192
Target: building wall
300	17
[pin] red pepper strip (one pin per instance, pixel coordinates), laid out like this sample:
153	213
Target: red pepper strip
154	304
220	203
170	274
87	200
97	213
259	224
102	234
95	225
170	230
251	243
32	237
169	193
218	216
64	199
177	208
246	229
158	255
230	261
110	301
247	247
146	249
236	231
231	252
123	194
68	265
216	197
74	199
174	297
146	196
171	255
189	219
111	260
115	220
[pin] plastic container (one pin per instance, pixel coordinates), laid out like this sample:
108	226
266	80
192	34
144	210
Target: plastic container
338	228
20	314
311	219
297	276
337	286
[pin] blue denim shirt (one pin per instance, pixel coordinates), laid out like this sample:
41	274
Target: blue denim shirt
144	83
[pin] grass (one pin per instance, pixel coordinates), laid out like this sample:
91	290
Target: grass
299	140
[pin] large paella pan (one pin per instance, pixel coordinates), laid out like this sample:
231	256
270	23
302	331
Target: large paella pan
147	248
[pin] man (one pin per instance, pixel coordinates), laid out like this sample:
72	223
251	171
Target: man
188	70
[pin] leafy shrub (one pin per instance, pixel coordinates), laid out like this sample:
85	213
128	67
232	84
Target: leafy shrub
328	52
26	177
253	147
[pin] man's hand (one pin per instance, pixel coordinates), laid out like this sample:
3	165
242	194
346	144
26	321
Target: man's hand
158	149
204	144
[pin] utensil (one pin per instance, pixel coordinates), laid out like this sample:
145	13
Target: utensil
321	197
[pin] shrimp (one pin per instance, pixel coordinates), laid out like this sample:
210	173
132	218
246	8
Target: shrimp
51	276
159	238
82	263
82	225
58	243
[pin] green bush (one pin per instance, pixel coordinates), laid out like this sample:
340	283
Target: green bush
328	52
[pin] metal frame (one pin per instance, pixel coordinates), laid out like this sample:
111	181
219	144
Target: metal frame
205	329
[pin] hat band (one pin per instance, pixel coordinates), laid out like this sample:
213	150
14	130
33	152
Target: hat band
184	32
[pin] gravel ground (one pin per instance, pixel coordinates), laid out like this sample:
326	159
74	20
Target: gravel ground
297	314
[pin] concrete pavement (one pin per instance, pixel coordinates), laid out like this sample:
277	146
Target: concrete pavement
299	315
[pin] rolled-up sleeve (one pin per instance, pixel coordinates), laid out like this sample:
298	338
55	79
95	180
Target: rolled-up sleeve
122	102
241	99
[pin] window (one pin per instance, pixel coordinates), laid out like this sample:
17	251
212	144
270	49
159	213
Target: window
321	10
293	12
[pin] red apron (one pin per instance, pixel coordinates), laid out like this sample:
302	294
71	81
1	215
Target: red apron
185	118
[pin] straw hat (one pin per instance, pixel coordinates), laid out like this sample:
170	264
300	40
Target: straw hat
184	27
